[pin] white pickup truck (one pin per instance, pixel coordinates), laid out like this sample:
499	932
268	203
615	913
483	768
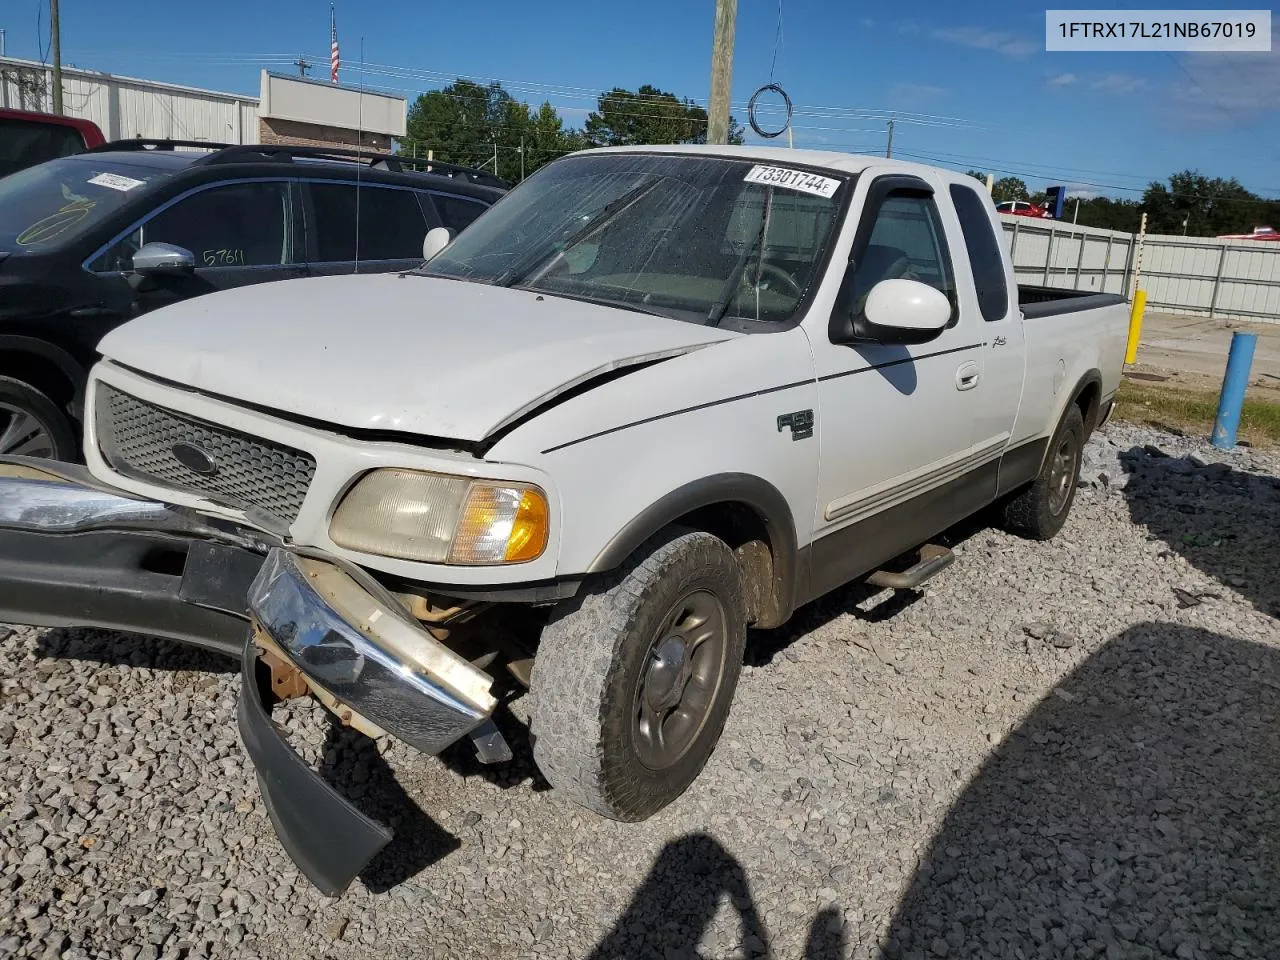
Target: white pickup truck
654	396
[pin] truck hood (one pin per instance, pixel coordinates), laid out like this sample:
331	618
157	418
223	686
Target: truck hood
412	354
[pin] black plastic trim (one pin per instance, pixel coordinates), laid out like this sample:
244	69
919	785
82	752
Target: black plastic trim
328	838
762	497
1021	464
1037	302
109	580
861	547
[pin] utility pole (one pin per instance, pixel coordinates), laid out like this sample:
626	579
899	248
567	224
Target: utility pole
1076	216
1	41
721	71
302	64
55	42
888	150
522	158
495	158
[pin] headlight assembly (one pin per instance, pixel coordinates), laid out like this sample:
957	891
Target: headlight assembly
435	518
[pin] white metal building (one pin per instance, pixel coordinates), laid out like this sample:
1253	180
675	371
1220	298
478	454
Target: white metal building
126	107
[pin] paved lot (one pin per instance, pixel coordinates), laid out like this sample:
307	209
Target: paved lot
1193	351
1058	750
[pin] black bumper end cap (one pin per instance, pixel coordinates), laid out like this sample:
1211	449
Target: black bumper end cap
324	834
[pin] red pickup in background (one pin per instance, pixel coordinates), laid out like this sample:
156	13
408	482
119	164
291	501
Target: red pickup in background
30	138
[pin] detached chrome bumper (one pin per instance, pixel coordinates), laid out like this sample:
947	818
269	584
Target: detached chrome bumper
363	654
370	665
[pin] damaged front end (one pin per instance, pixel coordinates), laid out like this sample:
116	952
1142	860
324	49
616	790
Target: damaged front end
75	553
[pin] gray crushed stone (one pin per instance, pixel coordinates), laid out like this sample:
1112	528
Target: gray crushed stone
1055	750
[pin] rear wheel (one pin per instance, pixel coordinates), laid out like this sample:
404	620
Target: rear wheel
1040	510
633	682
31	425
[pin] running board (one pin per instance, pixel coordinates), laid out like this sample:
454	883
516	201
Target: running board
933	560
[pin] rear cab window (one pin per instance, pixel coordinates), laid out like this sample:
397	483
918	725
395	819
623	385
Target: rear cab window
985	259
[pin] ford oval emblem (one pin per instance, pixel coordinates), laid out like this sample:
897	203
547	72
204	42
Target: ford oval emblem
194	458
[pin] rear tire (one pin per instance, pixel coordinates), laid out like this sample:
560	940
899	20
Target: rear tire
1040	510
633	679
31	425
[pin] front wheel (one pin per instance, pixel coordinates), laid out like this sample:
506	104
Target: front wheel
1040	510
633	680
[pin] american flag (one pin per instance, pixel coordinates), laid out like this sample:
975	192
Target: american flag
334	59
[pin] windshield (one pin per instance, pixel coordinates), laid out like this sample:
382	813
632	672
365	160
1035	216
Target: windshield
48	205
696	238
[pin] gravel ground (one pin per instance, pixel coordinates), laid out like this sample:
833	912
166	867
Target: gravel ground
1056	750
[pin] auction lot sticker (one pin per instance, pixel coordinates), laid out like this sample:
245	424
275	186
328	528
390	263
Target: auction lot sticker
1234	31
116	182
790	179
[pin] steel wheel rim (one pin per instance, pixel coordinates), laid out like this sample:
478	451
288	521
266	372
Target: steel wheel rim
679	680
1062	470
22	434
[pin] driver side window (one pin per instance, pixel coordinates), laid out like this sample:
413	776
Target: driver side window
907	242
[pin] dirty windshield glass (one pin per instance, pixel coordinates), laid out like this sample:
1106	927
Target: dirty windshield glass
50	204
696	238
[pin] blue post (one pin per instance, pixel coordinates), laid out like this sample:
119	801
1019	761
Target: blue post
1234	384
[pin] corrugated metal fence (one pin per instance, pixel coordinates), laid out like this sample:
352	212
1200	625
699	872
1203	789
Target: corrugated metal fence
125	108
1230	279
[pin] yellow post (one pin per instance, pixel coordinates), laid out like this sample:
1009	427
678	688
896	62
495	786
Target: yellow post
1135	326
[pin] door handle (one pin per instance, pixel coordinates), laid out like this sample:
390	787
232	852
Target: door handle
967	376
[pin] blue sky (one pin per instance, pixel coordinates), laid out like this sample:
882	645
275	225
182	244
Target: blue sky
972	83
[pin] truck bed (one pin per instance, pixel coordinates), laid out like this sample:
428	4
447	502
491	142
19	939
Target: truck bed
1038	301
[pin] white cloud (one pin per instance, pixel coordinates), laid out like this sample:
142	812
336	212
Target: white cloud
998	40
868	23
1225	89
1119	83
1061	80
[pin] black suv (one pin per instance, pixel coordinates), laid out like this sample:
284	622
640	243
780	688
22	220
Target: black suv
89	241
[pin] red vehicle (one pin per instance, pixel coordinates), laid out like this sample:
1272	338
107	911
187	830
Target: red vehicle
30	138
1022	208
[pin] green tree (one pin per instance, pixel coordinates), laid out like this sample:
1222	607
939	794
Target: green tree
464	122
1009	188
1209	206
649	115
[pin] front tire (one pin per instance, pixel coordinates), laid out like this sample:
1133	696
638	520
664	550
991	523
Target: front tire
633	680
1040	510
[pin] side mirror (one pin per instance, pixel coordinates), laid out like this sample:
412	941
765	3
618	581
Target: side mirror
154	259
437	239
902	311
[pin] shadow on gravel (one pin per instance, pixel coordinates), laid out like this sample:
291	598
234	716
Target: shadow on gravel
674	906
690	879
1223	521
129	650
351	764
1134	813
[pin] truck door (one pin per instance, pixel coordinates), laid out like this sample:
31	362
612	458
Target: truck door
999	393
896	422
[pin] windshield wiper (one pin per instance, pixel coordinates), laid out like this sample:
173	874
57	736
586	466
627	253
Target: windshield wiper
533	267
721	306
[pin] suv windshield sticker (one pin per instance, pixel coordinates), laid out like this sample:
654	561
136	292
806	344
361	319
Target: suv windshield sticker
116	181
793	180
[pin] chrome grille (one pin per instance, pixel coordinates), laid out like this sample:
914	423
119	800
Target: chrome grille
137	439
